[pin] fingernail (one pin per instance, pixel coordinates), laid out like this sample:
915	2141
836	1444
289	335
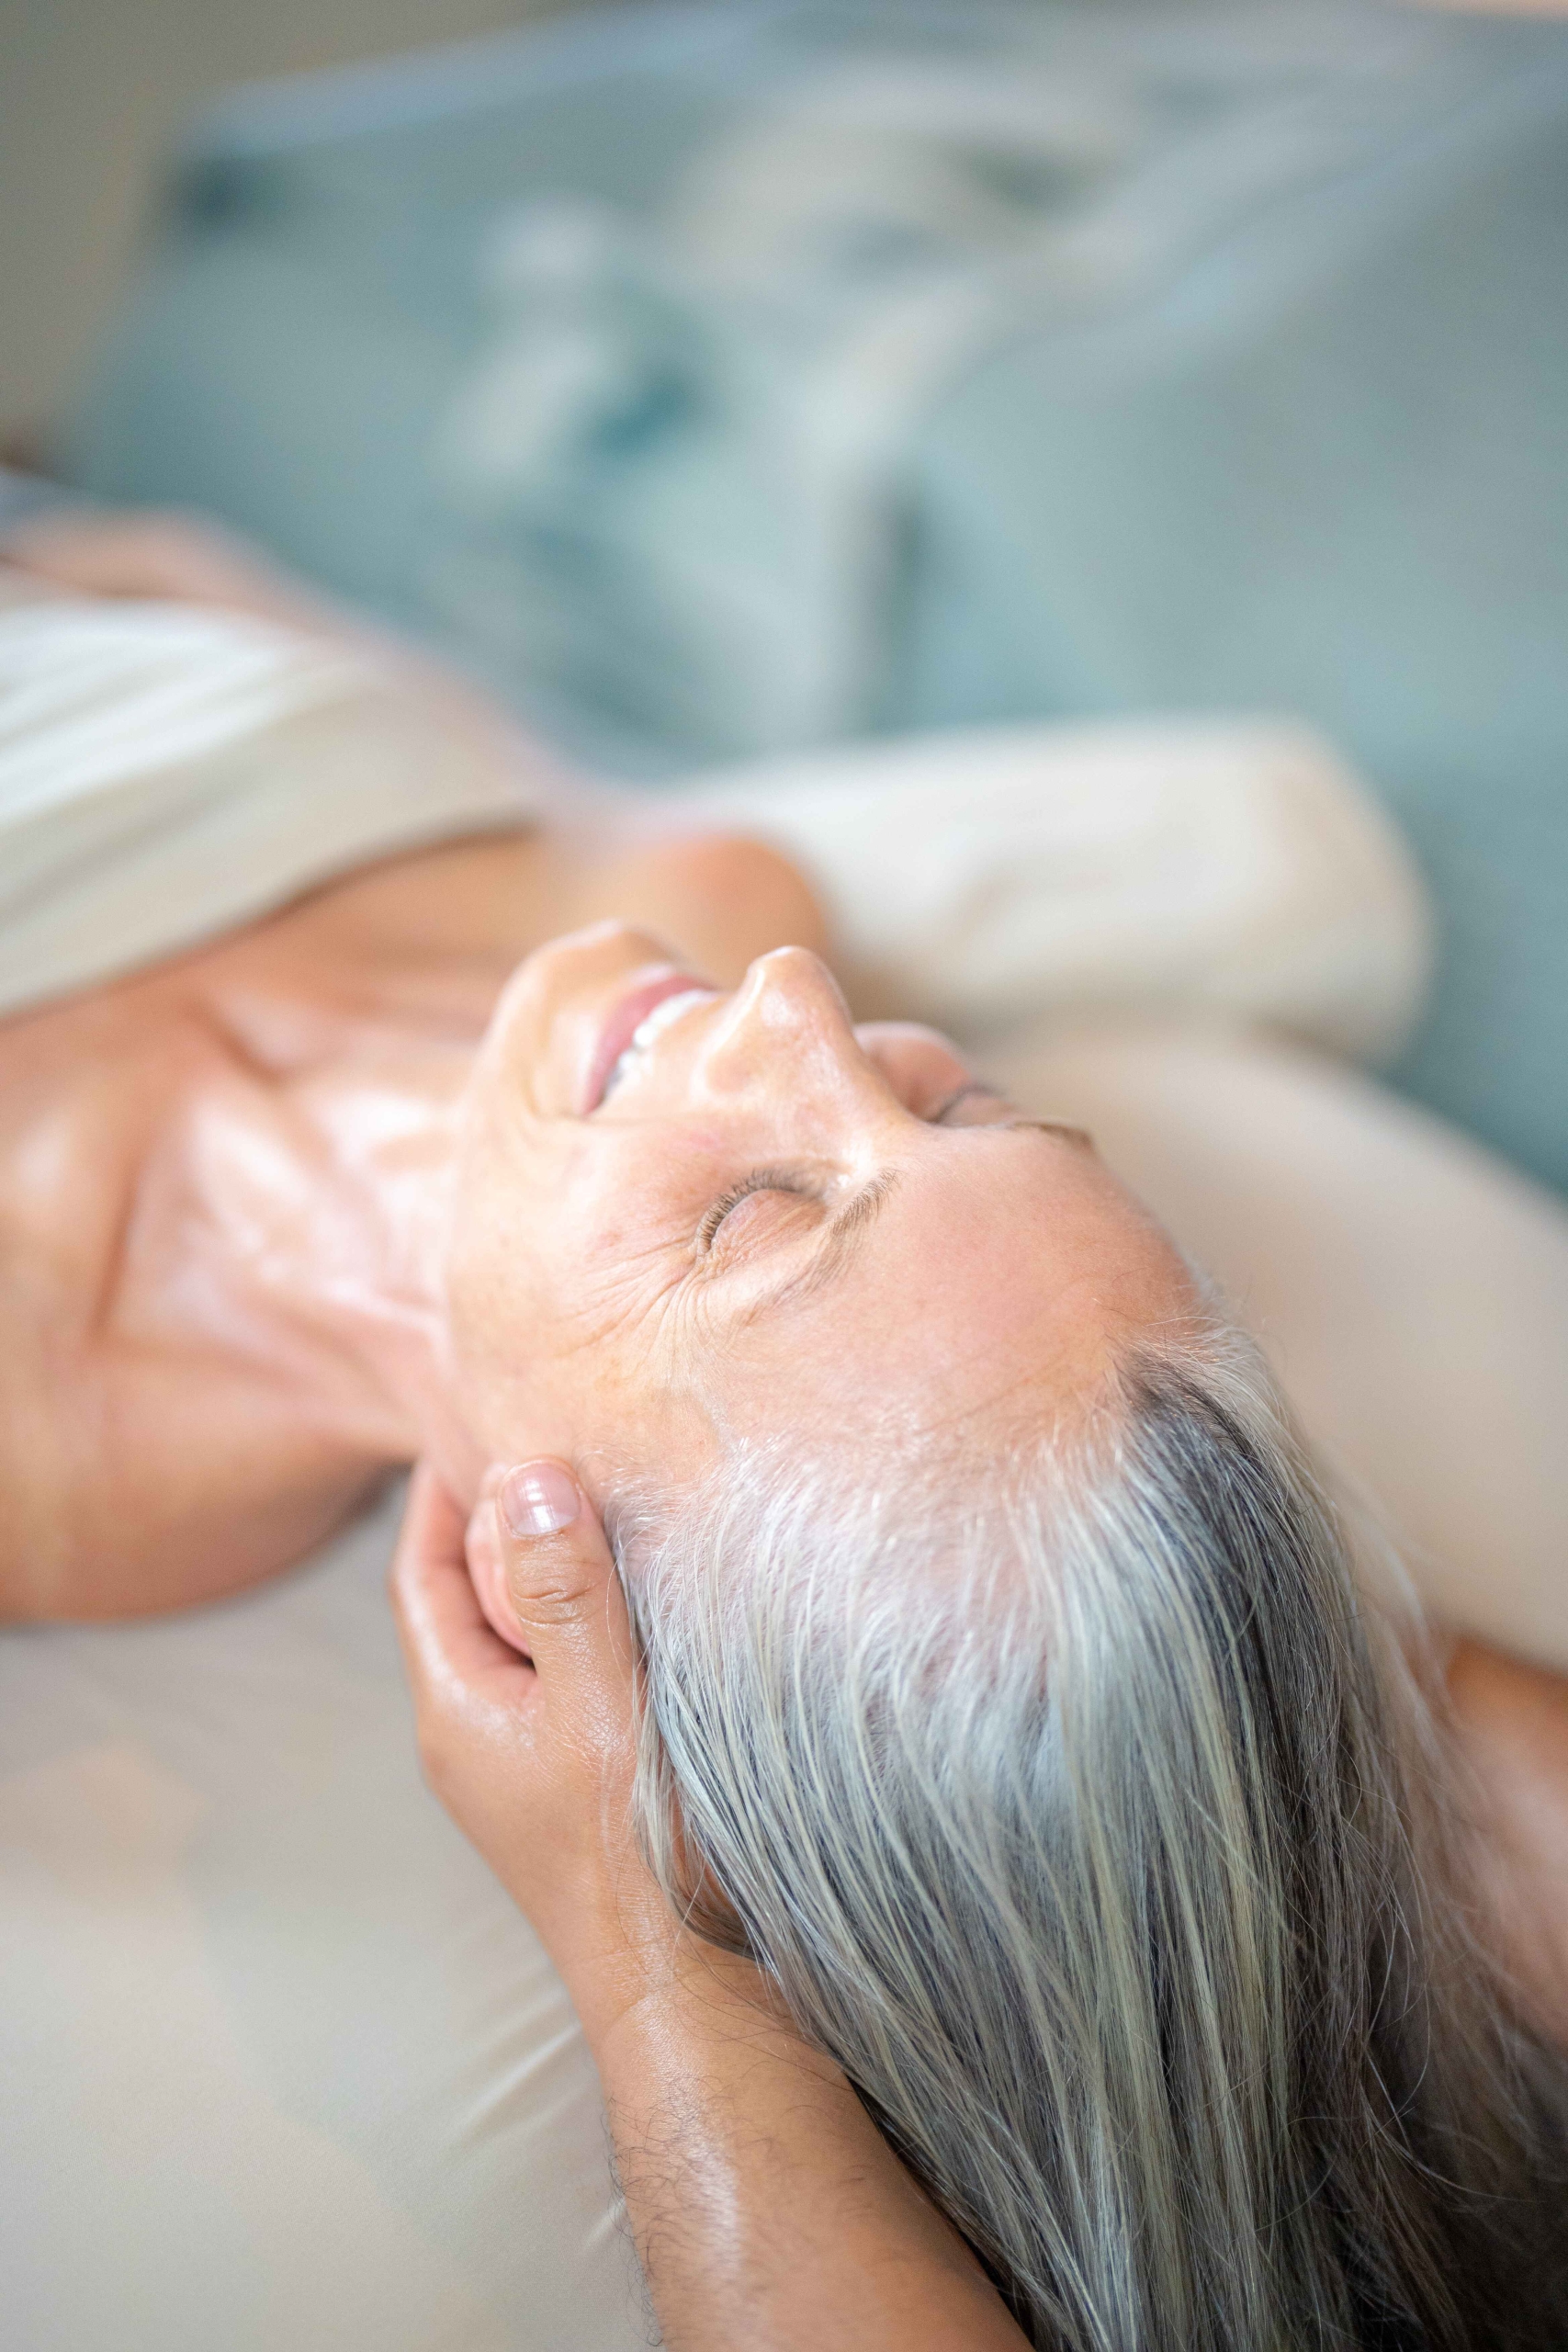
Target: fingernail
539	1498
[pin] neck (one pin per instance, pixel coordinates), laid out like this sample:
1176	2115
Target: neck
298	1228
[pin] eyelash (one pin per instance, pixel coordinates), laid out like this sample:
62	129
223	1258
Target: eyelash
961	1094
761	1180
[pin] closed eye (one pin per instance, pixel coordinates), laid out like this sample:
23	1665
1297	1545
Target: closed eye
972	1090
761	1180
974	1087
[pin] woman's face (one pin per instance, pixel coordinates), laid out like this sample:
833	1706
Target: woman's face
753	1219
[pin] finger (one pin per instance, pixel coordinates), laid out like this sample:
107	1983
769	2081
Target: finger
485	1549
562	1581
451	1654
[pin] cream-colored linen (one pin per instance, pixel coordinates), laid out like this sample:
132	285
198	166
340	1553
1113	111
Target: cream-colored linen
170	771
283	2066
1217	868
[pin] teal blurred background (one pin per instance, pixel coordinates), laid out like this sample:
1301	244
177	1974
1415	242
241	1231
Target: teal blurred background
716	380
92	95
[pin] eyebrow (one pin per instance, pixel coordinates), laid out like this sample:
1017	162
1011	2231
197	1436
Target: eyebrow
1080	1137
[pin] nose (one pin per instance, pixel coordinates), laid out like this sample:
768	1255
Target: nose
787	1013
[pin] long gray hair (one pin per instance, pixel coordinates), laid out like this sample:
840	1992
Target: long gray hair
1097	1827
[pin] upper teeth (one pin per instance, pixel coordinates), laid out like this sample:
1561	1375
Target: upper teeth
653	1025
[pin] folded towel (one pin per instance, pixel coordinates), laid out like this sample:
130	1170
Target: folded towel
1233	869
168	772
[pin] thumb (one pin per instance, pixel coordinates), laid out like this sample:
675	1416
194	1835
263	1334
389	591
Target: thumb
561	1581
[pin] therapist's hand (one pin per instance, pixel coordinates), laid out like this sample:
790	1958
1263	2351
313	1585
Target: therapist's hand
528	1740
767	2209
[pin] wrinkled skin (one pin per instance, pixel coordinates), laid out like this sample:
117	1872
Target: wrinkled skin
911	1251
223	1192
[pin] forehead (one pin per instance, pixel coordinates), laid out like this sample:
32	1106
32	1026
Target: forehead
1004	1265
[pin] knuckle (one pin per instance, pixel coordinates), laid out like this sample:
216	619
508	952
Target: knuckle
551	1599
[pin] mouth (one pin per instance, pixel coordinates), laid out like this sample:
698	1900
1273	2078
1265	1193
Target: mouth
632	1024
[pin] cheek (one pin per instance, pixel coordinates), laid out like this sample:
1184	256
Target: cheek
557	1271
495	1264
489	1268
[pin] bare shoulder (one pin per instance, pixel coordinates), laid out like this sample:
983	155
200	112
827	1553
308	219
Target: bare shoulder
164	553
1512	1721
68	1121
143	1465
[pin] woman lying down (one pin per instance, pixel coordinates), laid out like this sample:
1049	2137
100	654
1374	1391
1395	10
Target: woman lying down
1026	1888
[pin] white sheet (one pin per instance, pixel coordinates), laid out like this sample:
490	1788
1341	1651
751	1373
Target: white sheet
282	2066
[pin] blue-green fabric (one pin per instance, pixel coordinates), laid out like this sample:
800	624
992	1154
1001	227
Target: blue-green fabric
722	378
